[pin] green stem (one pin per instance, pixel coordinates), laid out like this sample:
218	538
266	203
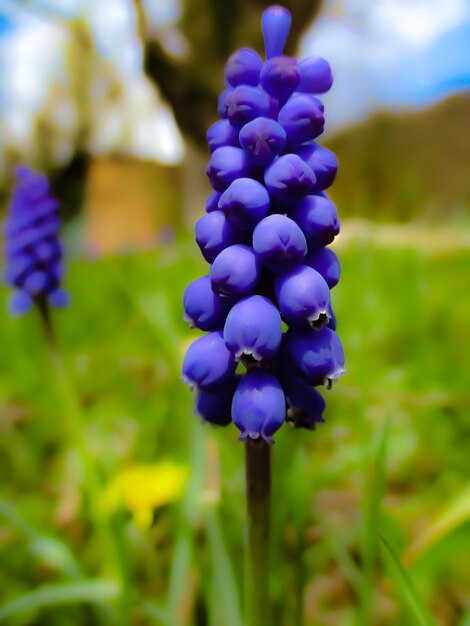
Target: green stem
258	495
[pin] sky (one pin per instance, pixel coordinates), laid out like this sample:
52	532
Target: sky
394	54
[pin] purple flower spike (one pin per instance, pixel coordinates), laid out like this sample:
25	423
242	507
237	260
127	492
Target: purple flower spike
262	139
226	165
279	243
326	263
318	218
235	271
280	77
288	179
266	226
302	119
208	365
318	354
203	308
322	161
244	104
303	296
216	408
305	405
244	203
259	406
253	328
214	234
315	75
243	68
33	251
212	202
222	133
275	23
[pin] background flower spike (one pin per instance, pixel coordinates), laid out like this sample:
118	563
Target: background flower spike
275	23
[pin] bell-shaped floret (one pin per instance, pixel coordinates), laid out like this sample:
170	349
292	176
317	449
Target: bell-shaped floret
20	303
214	234
288	179
244	203
221	106
275	25
302	119
315	75
322	161
259	406
208	364
222	133
212	202
235	271
317	355
226	165
279	243
305	405
280	77
326	263
262	139
216	408
203	308
253	328
243	68
318	218
244	104
303	297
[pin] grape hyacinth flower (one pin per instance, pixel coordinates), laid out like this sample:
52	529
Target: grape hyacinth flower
265	234
34	266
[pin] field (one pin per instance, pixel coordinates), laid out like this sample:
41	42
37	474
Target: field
385	478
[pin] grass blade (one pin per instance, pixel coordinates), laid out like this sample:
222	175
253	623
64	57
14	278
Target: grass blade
407	589
87	591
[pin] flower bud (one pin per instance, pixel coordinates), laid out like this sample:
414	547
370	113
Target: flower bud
244	203
253	328
226	165
279	243
259	406
280	76
302	119
243	68
212	202
275	25
303	297
221	103
214	234
323	163
235	271
262	139
203	308
208	365
326	263
315	75
317	354
244	104
305	405
288	179
222	133
318	219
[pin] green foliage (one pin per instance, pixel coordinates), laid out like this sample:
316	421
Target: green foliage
402	313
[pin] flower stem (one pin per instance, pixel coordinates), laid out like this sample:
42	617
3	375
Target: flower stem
258	495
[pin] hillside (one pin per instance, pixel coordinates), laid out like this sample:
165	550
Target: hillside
404	166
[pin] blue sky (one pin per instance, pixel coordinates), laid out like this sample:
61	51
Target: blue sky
394	54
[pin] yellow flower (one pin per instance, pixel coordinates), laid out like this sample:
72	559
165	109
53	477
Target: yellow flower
142	488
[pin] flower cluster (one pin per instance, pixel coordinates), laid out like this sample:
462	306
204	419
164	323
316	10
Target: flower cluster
267	224
33	251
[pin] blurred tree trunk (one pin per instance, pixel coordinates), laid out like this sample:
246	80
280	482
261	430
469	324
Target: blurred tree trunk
214	29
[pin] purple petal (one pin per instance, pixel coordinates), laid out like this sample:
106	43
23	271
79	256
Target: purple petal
214	234
244	203
235	271
279	243
208	365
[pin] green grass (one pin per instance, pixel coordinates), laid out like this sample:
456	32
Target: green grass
402	314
